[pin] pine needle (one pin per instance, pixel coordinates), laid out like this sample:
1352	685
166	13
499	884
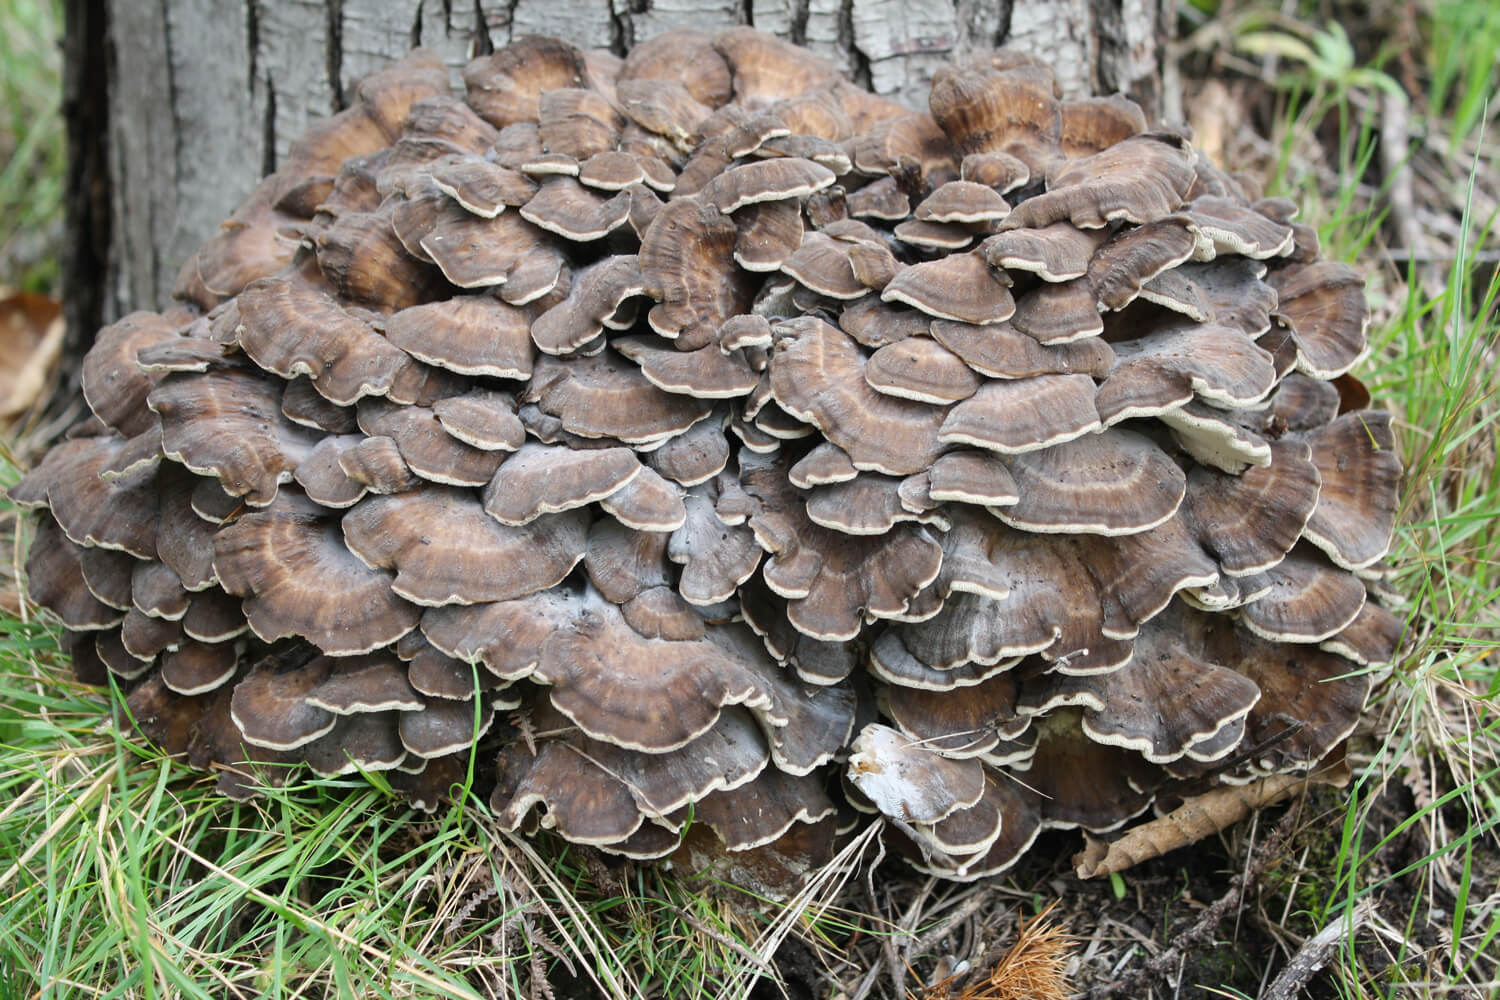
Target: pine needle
1034	968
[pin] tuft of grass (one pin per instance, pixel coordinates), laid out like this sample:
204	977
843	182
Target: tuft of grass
32	146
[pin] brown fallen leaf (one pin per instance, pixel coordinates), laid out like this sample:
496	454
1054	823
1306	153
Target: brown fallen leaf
31	336
1198	817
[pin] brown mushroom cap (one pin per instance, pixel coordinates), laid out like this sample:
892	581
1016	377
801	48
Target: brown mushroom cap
1059	251
1111	483
1324	305
959	287
113	386
832	580
687	259
999	351
921	369
469	334
444	549
1024	414
294	330
291	565
817	376
425	446
228	424
1137	180
1359	470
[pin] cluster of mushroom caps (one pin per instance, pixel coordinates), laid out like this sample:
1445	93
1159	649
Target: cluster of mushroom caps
720	448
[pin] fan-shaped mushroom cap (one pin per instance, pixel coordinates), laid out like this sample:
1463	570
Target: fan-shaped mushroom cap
482	418
911	781
541	479
1021	815
270	706
475	252
1057	252
106	572
817	376
426	448
963	201
694	456
228	424
293	330
642	694
55	581
1137	180
469	334
768	234
715	557
1359	470
664	107
1309	600
707	373
766	69
999	351
1133	257
1163	370
832	580
196	668
183	539
376	463
1000	171
567	208
778	179
1309	703
959	727
822	264
363	260
291	565
1372	639
481	187
921	369
1092	124
866	505
1161	703
1324	305
960	287
114	387
504	87
880	199
986	110
445	550
687	260
603	396
1111	483
763	811
1024	414
302	404
1251	521
113	512
445	727
156	591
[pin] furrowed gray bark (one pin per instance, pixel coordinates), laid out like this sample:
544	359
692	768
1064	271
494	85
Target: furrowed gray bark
204	97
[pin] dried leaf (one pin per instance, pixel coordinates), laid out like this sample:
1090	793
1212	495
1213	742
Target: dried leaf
31	336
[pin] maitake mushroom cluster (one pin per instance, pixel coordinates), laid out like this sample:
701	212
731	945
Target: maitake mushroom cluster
716	445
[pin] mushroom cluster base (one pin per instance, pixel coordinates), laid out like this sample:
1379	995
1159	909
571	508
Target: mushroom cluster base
728	458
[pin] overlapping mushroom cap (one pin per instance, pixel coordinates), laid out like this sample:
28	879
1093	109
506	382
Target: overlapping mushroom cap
696	436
